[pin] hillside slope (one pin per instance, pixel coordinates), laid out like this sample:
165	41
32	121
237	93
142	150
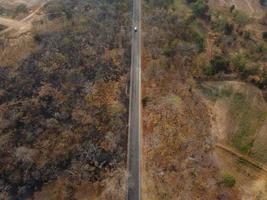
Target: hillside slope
204	83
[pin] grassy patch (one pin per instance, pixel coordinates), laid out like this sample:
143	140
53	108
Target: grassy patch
213	93
250	119
245	110
174	100
182	9
209	92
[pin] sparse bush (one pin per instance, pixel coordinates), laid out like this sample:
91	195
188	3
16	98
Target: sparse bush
229	180
264	35
219	22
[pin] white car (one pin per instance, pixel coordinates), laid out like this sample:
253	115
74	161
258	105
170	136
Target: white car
135	29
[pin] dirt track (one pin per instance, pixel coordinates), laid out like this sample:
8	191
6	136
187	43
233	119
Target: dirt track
242	156
23	25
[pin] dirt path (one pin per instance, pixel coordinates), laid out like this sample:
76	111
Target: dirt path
10	22
242	156
35	12
23	25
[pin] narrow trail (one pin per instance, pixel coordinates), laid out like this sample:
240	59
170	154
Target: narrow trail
242	156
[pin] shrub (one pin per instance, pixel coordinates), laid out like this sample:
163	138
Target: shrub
239	62
199	41
251	71
37	37
145	101
261	48
191	1
21	8
241	18
247	35
264	35
209	71
229	180
161	3
200	8
264	19
170	49
219	64
232	8
228	28
263	83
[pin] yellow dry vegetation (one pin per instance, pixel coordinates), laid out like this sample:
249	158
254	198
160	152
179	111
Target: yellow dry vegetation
103	93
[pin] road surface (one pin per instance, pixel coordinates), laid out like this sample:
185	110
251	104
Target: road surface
134	135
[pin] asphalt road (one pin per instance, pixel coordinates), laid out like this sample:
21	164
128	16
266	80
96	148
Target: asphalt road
134	137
